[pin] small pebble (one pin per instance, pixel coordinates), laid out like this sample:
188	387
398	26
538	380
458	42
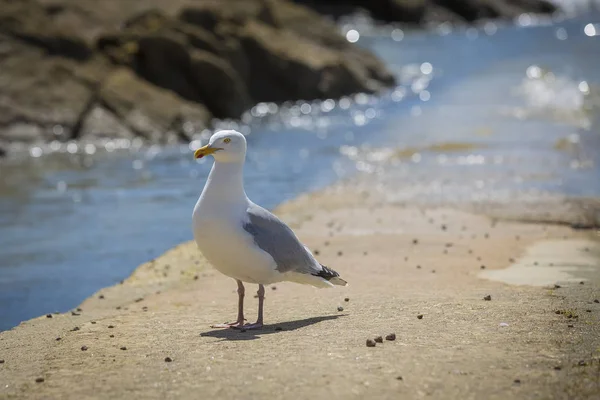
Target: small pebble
365	253
101	297
511	260
487	236
415	241
433	271
48	315
273	287
556	286
1	361
582	363
73	313
39	380
371	343
317	252
482	267
111	326
79	309
123	348
596	301
420	316
75	329
57	339
444	227
347	299
588	310
581	283
139	299
111	336
93	322
168	359
84	348
340	308
487	298
557	368
400	378
517	381
340	253
570	325
196	277
503	324
379	339
390	337
418	267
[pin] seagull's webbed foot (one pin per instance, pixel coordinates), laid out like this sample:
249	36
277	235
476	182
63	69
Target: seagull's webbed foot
256	325
236	324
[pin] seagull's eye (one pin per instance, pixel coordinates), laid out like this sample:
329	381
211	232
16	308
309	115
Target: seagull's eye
226	140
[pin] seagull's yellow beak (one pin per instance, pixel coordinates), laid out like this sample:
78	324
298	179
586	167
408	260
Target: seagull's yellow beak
206	151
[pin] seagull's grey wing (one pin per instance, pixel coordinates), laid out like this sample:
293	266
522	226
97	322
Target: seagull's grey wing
277	239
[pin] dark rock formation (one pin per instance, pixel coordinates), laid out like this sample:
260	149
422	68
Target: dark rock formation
421	11
162	69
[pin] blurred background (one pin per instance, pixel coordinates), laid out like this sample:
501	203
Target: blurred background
482	104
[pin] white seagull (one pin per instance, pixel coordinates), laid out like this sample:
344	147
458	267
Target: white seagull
243	240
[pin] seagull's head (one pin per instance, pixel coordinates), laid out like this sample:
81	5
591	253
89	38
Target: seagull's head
224	146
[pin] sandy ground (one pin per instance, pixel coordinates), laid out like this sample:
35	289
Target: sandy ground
532	340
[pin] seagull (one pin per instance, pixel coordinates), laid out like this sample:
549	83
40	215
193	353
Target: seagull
241	239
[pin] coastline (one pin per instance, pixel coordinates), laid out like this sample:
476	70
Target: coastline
401	261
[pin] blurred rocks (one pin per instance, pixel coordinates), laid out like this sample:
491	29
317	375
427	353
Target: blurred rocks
433	11
162	69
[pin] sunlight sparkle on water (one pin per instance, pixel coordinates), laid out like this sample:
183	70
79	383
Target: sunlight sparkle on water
584	87
426	68
591	30
352	36
561	34
397	35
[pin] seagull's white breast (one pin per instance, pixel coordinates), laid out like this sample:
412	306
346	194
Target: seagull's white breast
220	236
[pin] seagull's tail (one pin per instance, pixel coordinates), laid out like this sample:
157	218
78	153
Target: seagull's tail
331	276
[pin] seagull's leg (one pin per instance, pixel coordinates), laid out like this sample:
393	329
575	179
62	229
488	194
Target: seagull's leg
261	301
240	318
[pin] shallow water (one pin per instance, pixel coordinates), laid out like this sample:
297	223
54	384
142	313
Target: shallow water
482	114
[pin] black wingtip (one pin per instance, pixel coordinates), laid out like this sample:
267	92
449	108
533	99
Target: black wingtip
327	273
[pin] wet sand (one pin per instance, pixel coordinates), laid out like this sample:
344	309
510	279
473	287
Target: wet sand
422	274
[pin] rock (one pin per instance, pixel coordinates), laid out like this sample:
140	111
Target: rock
180	57
101	123
145	109
27	20
41	99
423	11
88	70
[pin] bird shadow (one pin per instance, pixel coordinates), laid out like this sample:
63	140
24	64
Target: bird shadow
252	334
